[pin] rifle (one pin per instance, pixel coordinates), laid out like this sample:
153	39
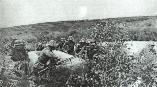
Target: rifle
82	50
44	70
51	66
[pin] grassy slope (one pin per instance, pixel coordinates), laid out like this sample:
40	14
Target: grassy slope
129	23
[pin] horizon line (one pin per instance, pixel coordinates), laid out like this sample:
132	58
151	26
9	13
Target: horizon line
79	20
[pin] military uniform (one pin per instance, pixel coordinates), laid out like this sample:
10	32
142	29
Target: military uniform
18	51
92	50
45	55
19	56
80	46
40	47
61	45
70	45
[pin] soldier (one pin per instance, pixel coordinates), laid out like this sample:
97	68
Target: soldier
45	56
70	45
80	46
92	50
19	52
40	47
61	45
20	56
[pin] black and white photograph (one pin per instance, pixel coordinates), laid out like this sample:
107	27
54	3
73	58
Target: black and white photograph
78	43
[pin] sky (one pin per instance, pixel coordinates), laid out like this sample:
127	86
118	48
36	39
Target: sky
23	12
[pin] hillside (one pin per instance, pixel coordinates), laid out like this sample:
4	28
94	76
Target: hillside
64	27
120	69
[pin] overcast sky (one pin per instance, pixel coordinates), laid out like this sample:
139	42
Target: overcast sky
23	12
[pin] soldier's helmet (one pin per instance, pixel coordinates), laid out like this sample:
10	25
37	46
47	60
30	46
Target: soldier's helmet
19	44
52	43
71	38
82	40
88	41
62	39
93	42
39	43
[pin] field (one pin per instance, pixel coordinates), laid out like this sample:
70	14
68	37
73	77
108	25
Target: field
136	26
114	67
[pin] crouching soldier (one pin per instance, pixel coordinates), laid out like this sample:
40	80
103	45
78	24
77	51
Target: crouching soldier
19	56
61	45
92	50
70	45
81	48
80	45
45	55
39	47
